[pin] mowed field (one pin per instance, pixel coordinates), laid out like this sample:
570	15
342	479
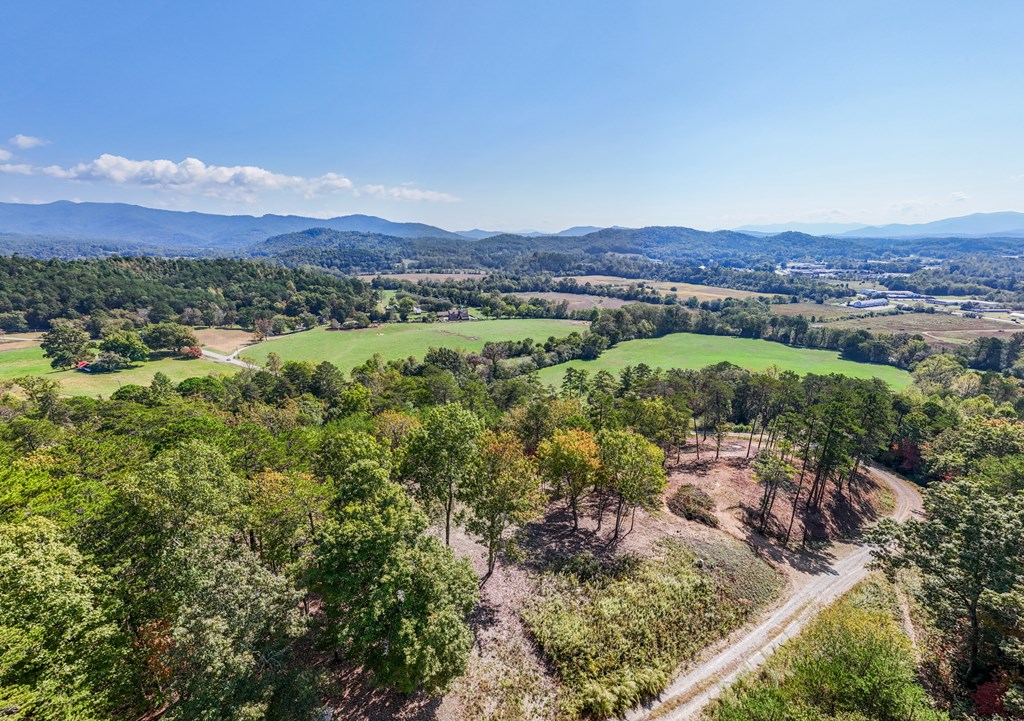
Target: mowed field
682	290
939	328
30	362
579	301
347	349
690	350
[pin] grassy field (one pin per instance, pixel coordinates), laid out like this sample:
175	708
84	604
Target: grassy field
579	301
940	328
30	362
689	350
682	290
347	349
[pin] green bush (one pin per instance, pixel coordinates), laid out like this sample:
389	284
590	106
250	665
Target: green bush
851	663
693	504
616	633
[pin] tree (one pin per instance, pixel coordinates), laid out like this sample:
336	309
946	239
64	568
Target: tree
504	493
969	545
13	320
441	455
571	463
772	472
395	599
327	382
274	362
67	344
161	389
574	383
168	336
232	631
262	329
109	362
634	470
63	655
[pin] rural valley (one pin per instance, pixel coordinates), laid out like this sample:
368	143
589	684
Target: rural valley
511	361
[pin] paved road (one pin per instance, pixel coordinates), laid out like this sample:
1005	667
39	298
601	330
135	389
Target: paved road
684	699
230	359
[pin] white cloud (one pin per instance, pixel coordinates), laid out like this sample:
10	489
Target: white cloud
16	168
26	142
5	154
406	193
237	182
959	197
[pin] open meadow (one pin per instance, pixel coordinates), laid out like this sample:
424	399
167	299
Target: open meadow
690	350
347	349
937	328
682	290
579	301
30	362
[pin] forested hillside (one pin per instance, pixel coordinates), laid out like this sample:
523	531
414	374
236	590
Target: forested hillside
212	292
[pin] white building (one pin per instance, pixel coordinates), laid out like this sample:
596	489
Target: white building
869	303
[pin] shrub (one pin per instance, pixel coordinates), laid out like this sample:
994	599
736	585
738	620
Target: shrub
693	504
616	632
852	662
192	351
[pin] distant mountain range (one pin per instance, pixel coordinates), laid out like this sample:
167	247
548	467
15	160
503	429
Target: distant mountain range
821	229
66	229
173	228
1008	224
573	232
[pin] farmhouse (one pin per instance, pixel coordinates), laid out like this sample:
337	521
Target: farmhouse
869	303
454	314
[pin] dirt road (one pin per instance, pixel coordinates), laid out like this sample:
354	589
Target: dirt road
684	699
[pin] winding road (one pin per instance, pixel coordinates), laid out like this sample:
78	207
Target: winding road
687	696
231	359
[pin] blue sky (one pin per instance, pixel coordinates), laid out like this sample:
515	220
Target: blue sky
515	115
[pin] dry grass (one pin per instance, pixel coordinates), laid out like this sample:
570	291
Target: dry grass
682	290
579	301
223	340
12	344
937	328
824	311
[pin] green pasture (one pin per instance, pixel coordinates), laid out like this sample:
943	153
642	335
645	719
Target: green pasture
30	362
347	349
690	350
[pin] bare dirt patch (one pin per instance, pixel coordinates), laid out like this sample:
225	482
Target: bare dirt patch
17	342
816	540
223	340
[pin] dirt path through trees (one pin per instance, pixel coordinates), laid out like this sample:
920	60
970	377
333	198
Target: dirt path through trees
684	699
